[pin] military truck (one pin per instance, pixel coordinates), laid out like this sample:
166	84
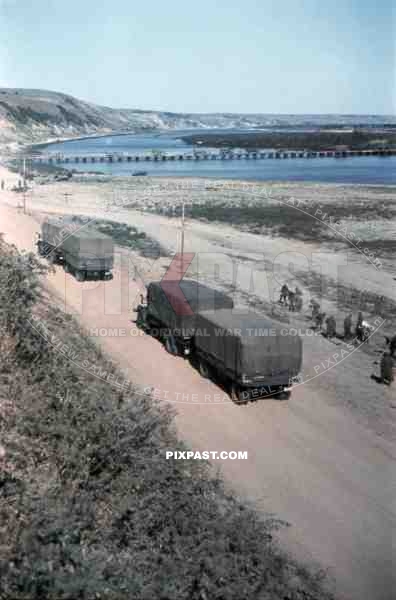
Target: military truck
171	308
82	252
253	356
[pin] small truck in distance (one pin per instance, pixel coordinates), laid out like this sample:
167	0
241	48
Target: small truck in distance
83	252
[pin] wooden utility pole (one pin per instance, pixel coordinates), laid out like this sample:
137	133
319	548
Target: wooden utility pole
24	184
182	237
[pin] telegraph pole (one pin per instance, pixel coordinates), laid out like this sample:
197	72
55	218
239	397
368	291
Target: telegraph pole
24	184
67	195
182	237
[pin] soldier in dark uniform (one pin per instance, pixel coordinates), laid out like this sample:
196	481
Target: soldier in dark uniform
315	308
331	327
348	326
387	369
292	300
392	345
359	327
284	293
319	320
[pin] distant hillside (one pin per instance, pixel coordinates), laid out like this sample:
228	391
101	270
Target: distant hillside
36	115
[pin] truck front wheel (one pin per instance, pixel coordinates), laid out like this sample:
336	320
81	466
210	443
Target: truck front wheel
171	345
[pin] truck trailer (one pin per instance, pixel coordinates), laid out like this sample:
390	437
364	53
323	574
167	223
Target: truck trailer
253	356
83	252
171	309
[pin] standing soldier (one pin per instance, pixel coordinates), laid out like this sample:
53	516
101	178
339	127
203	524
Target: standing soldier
319	320
315	308
359	327
387	369
331	327
284	293
391	342
292	300
2	184
348	326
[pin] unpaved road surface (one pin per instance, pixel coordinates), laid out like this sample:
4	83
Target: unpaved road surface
310	462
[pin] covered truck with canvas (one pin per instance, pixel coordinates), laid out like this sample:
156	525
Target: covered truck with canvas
254	355
81	249
171	309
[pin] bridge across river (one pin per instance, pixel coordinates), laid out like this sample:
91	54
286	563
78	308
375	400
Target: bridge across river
202	156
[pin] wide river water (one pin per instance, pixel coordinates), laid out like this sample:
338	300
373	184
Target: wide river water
358	169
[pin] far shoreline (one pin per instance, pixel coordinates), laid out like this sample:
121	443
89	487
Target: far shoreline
41	145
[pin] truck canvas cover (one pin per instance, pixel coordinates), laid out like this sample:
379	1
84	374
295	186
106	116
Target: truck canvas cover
249	345
177	308
83	247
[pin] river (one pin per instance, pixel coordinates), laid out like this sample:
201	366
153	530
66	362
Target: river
357	169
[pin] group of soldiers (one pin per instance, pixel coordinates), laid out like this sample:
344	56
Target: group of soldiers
294	300
362	328
361	331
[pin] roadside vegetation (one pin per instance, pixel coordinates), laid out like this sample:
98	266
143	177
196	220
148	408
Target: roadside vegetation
89	506
126	236
284	220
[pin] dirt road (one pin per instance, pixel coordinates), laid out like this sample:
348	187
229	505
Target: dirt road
310	462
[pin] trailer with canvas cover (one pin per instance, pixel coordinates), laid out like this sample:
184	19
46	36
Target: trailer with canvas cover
254	356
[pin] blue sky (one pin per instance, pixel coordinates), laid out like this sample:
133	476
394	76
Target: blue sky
281	56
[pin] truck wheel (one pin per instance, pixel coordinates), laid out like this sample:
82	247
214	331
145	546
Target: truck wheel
171	345
237	395
66	268
52	257
141	317
283	394
80	275
203	369
153	328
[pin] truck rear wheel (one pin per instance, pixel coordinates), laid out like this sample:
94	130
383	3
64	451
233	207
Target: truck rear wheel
80	275
238	396
203	368
283	394
52	257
